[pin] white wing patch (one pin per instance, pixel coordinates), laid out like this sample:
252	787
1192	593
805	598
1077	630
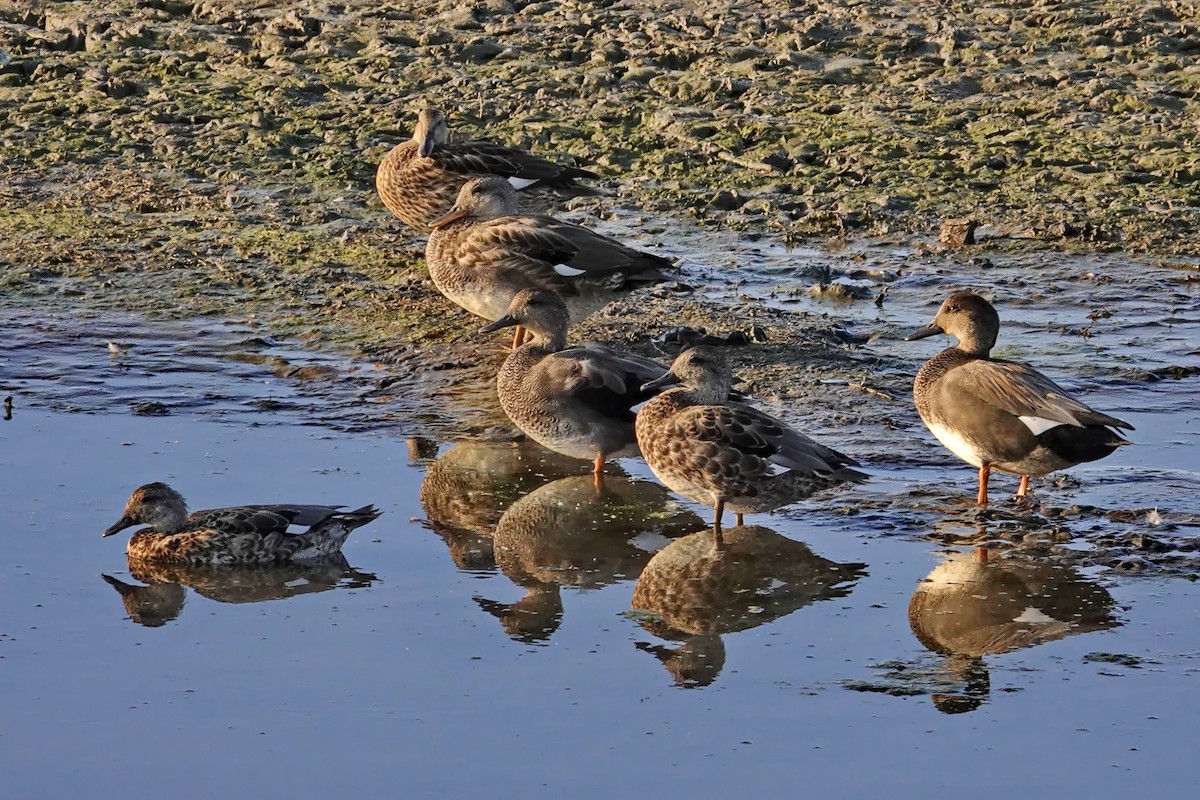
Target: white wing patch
521	183
1039	425
567	272
1032	615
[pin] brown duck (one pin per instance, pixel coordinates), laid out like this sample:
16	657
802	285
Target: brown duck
997	414
483	251
229	536
726	453
420	179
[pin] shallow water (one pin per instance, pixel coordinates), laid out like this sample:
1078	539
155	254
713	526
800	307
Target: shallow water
483	635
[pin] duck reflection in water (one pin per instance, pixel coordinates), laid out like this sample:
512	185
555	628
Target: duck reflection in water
697	589
467	488
569	533
163	598
985	602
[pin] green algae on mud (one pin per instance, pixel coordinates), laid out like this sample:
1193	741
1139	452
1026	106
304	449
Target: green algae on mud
217	157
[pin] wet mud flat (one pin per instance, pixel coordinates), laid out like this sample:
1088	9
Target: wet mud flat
217	157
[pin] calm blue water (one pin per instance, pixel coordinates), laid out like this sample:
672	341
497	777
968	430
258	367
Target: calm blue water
450	665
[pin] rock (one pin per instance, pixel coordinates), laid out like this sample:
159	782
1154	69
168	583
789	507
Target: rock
957	232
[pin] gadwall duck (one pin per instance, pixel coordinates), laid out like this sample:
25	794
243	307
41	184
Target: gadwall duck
997	414
482	252
419	179
714	450
576	401
228	536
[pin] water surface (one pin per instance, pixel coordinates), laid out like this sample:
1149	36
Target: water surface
503	628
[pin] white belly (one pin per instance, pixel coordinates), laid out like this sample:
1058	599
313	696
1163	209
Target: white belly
956	443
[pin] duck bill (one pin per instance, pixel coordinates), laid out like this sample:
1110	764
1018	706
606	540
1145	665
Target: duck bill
425	146
664	380
504	322
447	218
120	525
924	333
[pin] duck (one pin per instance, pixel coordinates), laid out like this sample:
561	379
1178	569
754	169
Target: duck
483	251
1002	415
712	449
419	179
575	401
239	535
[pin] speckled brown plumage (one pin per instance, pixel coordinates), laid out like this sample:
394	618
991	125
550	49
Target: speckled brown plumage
419	180
230	536
484	251
725	453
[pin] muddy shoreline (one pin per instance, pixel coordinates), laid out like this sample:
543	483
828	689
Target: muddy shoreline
216	158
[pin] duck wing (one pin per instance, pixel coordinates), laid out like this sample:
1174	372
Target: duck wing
751	432
261	520
597	255
606	381
533	252
611	366
478	157
1024	392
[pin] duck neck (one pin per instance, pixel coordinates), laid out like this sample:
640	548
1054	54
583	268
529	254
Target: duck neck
975	346
549	340
707	394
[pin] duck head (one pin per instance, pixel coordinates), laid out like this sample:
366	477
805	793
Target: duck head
703	369
967	317
156	505
431	132
485	198
541	311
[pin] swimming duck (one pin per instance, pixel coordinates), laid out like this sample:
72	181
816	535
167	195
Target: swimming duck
714	450
228	536
575	401
419	179
483	251
1003	415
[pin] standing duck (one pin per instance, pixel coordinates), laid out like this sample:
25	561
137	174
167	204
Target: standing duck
714	450
997	414
419	179
576	401
231	536
483	251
